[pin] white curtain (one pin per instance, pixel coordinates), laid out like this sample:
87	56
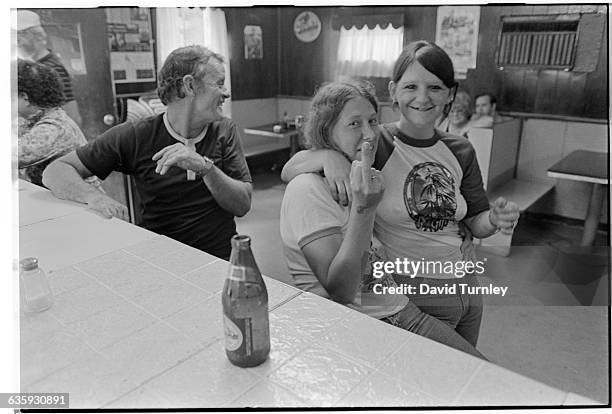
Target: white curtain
215	38
368	52
182	26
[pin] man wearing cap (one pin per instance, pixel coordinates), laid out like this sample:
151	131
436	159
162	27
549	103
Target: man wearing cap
32	45
187	164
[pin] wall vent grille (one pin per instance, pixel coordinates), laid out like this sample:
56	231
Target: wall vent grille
537	44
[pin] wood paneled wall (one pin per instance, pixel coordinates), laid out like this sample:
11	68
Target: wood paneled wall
304	66
580	94
253	78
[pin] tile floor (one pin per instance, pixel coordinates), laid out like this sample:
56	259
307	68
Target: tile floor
551	326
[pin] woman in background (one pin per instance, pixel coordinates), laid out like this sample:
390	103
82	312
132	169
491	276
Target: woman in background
45	131
458	120
432	183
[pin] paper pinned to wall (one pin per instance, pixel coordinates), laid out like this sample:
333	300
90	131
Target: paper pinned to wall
253	42
457	33
132	67
66	41
129	37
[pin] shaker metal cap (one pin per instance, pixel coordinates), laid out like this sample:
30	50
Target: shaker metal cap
29	263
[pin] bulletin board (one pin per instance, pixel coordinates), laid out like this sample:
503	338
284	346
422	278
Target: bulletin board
131	50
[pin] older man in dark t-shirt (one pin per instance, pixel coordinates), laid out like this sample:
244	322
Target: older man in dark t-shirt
187	163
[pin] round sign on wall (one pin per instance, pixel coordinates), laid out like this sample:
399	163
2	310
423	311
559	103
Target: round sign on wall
307	26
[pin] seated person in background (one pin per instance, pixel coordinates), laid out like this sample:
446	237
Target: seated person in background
485	114
45	131
327	246
32	45
187	163
458	120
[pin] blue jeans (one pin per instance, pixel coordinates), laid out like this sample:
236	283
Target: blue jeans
449	318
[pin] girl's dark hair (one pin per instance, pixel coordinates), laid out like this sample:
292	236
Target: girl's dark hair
431	56
188	60
326	105
40	83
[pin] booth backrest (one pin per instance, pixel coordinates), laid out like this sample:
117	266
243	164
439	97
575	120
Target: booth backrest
497	151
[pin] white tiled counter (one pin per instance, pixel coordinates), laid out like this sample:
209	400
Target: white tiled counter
137	324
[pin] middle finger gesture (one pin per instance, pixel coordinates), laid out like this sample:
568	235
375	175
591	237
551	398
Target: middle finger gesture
367	183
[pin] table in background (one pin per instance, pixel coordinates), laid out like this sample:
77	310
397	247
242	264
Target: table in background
137	323
292	134
590	167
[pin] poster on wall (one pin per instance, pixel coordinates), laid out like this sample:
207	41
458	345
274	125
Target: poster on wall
65	40
457	34
253	42
129	40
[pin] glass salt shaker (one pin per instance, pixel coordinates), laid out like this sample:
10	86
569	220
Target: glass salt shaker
34	290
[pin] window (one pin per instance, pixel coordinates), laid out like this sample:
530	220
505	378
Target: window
181	26
369	50
538	42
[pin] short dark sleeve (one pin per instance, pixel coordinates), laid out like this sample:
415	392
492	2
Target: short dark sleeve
111	151
471	185
385	147
234	163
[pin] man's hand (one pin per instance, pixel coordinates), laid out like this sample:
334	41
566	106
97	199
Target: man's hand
337	174
504	215
107	207
178	155
367	183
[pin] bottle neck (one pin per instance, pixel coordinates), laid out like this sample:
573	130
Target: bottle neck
242	260
243	257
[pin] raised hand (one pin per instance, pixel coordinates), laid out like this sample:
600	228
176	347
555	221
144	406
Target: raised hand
367	183
504	215
178	155
337	171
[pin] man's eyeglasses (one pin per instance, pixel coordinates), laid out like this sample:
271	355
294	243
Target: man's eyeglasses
219	85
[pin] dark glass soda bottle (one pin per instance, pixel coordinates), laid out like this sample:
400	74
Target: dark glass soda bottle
245	308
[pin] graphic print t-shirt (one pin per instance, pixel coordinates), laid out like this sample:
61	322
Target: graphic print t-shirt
430	185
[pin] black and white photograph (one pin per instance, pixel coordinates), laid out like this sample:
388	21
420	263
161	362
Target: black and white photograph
390	207
253	42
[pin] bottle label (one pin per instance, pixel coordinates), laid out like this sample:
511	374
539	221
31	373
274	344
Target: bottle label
237	273
233	334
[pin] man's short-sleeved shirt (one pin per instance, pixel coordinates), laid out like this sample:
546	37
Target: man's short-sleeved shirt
308	212
171	204
430	185
52	60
